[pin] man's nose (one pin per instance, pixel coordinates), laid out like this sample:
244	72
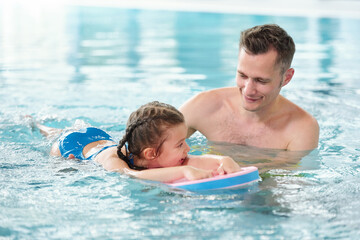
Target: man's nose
249	87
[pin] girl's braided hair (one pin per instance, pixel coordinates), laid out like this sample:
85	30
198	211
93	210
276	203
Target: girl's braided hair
146	127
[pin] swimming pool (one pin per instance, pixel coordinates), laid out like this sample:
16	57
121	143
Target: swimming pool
99	64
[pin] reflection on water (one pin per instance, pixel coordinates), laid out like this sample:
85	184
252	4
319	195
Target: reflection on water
264	159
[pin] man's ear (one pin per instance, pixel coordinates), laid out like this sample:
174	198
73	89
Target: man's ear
149	153
288	76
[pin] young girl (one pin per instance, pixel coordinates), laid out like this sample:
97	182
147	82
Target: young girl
152	148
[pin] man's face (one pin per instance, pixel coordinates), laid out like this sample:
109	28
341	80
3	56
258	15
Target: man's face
259	79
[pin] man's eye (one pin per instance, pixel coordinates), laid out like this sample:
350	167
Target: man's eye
262	81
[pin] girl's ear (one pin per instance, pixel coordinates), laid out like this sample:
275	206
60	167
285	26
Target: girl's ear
149	153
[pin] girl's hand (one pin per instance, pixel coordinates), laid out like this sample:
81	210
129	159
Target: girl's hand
219	171
228	165
191	173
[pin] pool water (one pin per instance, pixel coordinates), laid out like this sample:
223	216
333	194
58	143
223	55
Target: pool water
98	64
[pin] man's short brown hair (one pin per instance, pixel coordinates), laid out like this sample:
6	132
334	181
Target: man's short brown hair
260	39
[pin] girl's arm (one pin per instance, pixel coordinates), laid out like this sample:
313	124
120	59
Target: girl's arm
220	164
169	174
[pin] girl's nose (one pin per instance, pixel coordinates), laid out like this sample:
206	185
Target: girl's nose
187	148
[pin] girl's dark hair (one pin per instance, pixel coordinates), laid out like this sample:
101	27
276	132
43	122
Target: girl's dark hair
146	127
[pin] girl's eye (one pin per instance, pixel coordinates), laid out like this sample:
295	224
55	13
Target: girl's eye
181	144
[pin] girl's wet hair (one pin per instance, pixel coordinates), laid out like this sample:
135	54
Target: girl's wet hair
146	127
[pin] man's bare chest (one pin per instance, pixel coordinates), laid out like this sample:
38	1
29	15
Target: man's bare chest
242	132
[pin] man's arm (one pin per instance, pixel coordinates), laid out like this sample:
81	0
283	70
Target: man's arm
305	135
198	108
191	110
187	109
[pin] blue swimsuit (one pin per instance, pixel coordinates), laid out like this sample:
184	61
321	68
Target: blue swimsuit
74	142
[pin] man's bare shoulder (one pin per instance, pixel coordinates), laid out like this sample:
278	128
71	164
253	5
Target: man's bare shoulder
299	115
201	110
210	100
303	128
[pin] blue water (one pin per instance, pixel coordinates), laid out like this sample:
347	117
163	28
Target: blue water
96	64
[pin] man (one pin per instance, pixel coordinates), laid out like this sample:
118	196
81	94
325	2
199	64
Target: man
254	113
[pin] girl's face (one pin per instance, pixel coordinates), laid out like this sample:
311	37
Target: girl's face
174	149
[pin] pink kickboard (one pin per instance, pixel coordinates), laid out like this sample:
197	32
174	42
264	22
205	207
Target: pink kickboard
233	180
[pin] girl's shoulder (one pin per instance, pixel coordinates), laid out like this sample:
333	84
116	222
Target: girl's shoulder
110	160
